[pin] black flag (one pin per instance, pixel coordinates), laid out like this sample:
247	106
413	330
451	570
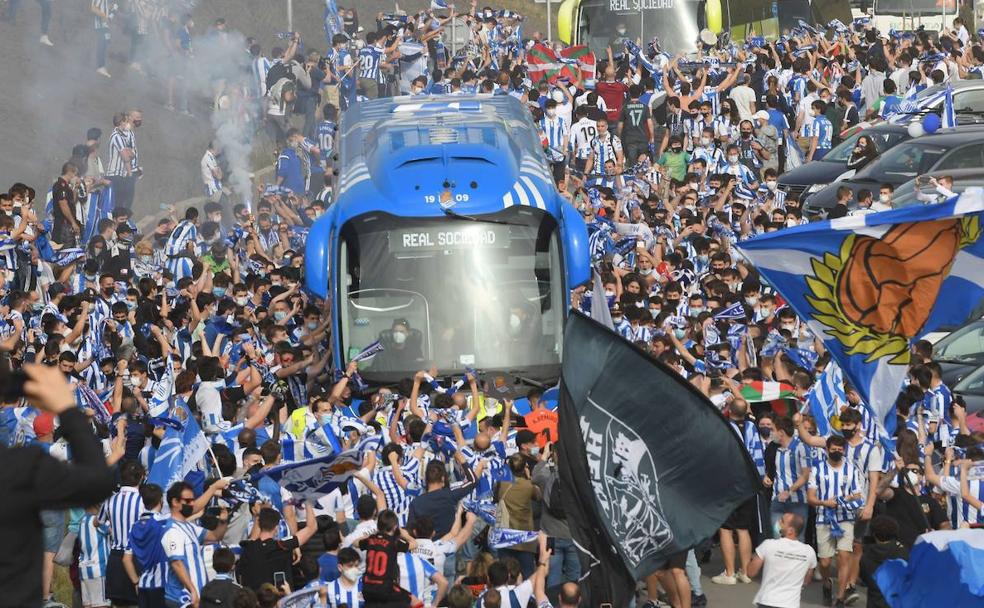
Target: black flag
651	466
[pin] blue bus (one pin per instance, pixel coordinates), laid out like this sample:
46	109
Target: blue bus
447	241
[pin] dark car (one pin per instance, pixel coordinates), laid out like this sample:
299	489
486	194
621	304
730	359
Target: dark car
961	351
813	176
971	390
961	148
905	194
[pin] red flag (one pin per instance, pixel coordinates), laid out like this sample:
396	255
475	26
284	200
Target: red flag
545	64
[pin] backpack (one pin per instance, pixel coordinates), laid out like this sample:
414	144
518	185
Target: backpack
553	498
145	542
278	72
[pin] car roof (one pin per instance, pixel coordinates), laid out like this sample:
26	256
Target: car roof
951	137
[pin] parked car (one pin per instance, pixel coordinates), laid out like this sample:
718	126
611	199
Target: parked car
968	101
905	194
813	176
961	148
971	390
961	351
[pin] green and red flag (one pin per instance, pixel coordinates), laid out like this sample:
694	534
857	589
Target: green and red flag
773	393
571	63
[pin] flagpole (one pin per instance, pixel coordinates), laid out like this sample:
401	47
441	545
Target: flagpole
290	15
549	23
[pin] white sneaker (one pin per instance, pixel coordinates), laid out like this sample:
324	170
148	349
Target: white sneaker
724	579
742	577
46	41
103	72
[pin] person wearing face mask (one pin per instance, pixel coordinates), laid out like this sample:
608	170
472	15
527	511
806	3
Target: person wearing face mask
884	202
835	490
742	519
788	468
182	542
401	347
675	159
708	149
347	589
821	132
733	166
557	133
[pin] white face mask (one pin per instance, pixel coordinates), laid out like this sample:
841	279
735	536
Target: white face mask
241	301
885	198
705	141
551	113
752	300
772	184
352	574
733	159
399	337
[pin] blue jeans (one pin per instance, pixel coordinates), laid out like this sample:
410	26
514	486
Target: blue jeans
565	566
777	509
693	573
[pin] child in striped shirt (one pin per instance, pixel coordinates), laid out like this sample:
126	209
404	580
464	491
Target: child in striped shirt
93	555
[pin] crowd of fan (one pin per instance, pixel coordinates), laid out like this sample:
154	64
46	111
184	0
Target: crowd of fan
671	164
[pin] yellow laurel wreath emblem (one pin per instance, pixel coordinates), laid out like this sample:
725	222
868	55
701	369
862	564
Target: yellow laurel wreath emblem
857	339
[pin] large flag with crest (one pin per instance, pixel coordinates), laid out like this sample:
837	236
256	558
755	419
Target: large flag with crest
546	64
182	449
625	460
868	285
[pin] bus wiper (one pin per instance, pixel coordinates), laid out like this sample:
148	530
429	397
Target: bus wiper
459	216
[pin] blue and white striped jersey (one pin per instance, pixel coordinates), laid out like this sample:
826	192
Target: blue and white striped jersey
118	141
121	511
416	575
605	149
555	129
823	131
184	233
398	499
790	463
370	58
93	547
339	594
835	483
182	542
867	457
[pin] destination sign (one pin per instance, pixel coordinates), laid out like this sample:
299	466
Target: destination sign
437	238
621	6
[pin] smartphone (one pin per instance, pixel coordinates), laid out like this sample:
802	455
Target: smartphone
279	579
551	544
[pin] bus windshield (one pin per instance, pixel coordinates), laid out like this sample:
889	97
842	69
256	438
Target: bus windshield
453	293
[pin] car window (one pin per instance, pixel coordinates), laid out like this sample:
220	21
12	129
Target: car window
882	139
973	383
970	341
966	157
969	100
903	162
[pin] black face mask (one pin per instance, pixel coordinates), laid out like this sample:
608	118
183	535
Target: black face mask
849	433
746	135
187	510
835	457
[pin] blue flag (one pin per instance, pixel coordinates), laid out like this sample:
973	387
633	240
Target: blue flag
315	477
501	538
949	119
870	284
945	568
180	451
826	398
333	21
369	352
734	312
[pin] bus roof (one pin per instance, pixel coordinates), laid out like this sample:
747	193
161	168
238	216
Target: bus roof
477	154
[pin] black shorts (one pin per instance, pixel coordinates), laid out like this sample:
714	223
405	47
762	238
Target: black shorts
860	530
119	589
743	518
677	561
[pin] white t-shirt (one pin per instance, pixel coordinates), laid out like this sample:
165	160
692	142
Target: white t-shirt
435	552
523	591
743	97
786	562
364	529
